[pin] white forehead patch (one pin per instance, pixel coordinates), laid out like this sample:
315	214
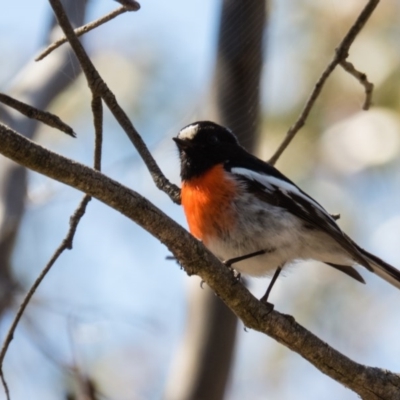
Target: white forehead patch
189	132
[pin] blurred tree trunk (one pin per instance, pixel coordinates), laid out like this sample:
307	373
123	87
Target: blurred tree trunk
204	363
37	84
238	70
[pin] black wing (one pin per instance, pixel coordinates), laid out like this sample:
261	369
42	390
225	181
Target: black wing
277	190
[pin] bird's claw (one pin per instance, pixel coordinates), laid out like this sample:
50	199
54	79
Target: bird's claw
236	275
265	301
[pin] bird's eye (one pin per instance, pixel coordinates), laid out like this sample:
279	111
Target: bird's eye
212	139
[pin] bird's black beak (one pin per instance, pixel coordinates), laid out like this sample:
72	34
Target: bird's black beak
182	144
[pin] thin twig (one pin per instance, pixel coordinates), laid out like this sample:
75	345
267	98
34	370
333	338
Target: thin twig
97	110
99	87
129	3
363	79
66	244
43	116
88	27
86	388
4	382
341	54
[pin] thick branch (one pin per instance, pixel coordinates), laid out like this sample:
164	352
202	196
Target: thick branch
370	383
341	54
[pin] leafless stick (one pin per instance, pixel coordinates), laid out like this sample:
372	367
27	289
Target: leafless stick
66	244
4	382
363	79
86	386
341	54
87	28
43	116
129	3
97	109
99	87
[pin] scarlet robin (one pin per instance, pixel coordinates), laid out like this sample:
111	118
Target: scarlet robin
246	211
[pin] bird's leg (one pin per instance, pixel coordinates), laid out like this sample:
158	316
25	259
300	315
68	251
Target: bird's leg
234	260
231	261
264	299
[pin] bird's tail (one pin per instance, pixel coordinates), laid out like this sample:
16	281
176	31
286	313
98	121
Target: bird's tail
381	268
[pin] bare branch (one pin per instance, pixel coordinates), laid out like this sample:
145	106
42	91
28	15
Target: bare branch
86	388
5	385
88	27
36	85
66	244
97	109
99	87
341	54
43	116
370	383
129	3
363	79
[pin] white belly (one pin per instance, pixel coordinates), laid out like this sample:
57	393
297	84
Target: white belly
284	237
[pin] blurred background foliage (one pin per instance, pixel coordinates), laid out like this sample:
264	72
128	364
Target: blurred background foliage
114	308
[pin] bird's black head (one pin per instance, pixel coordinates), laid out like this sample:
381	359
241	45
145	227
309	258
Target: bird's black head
202	145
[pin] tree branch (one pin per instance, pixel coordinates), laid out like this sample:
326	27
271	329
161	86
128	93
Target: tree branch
363	79
87	28
36	85
370	383
341	54
100	88
66	244
43	116
97	110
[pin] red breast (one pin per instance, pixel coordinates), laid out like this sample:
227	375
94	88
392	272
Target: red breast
207	202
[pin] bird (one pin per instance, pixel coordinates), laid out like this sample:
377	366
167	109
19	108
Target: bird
254	218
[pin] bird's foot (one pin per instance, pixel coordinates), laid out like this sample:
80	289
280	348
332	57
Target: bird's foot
269	305
236	275
234	260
